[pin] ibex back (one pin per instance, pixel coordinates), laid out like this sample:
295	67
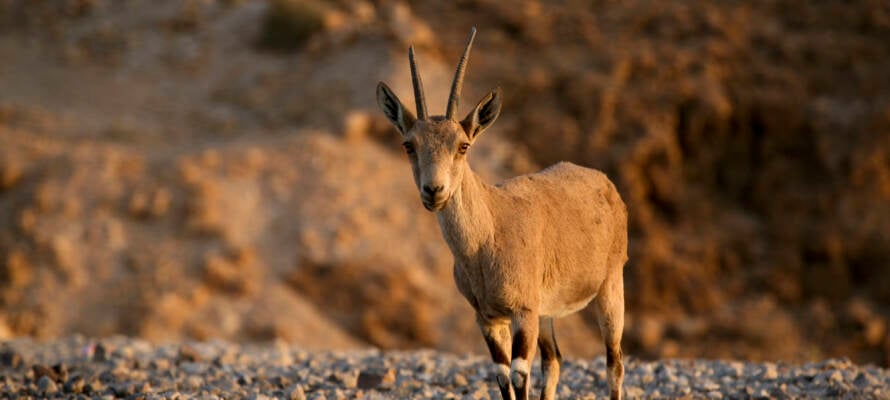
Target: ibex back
526	251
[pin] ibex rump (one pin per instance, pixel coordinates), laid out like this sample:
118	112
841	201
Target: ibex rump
527	250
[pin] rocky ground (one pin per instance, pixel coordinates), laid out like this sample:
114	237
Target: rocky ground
219	169
120	367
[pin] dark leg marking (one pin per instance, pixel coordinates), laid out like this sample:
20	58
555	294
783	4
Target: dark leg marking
520	345
616	371
610	357
498	355
547	343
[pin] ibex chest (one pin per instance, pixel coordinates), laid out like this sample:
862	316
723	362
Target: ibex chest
494	289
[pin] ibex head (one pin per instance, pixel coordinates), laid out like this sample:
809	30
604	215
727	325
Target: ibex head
437	145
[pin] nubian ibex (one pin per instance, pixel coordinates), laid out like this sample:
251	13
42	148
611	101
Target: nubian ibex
527	250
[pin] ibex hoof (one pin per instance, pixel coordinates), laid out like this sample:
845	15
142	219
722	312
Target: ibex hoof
503	381
518	379
519	373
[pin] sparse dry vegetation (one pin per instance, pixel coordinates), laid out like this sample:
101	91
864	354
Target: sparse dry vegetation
288	24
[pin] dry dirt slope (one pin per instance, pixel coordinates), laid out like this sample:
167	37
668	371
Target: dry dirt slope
149	189
168	169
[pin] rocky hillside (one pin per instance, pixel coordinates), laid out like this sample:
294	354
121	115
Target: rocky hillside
218	169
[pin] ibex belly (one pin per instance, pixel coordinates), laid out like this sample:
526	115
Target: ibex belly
569	296
562	309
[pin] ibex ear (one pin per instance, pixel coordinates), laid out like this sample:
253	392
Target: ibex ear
394	110
483	115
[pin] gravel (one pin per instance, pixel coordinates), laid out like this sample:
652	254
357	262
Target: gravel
118	367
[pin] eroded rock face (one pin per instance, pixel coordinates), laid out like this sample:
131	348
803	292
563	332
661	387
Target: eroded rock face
164	175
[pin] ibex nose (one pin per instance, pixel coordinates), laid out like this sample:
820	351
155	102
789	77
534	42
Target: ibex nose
432	190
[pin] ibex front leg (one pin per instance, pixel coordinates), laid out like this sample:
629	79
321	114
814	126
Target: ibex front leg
497	337
525	337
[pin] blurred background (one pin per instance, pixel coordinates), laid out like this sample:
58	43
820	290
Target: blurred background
219	169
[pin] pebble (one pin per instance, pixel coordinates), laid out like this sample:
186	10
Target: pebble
297	393
375	378
46	385
160	364
348	379
41	371
10	359
187	354
836	377
74	385
194	382
769	372
100	353
192	368
459	379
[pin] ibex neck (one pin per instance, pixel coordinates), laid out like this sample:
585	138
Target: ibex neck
466	221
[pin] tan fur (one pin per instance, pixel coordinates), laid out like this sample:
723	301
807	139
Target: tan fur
530	248
544	241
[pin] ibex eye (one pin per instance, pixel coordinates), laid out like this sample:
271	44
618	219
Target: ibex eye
463	148
409	147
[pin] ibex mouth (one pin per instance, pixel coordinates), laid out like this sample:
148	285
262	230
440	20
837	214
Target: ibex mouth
434	205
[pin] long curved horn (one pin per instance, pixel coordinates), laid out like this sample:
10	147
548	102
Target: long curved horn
418	86
459	77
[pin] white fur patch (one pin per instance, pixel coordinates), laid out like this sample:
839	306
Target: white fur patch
520	365
503	375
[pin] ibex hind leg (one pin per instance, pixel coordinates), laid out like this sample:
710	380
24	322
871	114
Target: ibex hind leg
550	358
610	315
